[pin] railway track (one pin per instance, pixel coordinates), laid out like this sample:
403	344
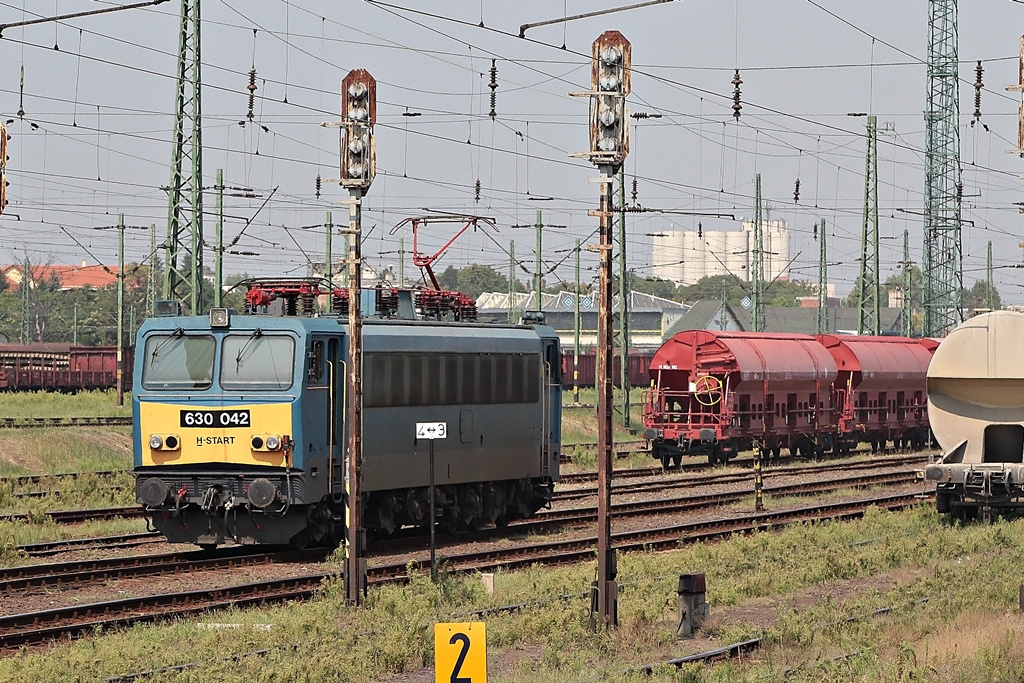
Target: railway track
77	516
134	511
674	482
50	548
44	577
29	422
28	479
37	628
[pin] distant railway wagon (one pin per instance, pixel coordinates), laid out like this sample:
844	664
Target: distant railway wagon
719	393
976	409
60	367
242	423
637	364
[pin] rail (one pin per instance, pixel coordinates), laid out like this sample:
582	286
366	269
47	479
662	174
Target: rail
30	422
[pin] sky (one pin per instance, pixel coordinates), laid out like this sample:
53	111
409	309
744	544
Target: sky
98	100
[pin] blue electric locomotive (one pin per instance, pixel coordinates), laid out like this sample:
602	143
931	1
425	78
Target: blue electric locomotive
241	425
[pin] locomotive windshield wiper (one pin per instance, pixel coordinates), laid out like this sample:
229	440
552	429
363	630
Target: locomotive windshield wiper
256	334
177	334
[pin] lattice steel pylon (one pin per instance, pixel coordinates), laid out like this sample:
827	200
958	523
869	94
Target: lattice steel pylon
943	258
869	320
757	317
183	267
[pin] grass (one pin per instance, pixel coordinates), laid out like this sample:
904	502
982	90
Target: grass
73	449
51	404
795	588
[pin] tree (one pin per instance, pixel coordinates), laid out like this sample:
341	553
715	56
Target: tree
976	296
474	280
449	279
666	289
714	287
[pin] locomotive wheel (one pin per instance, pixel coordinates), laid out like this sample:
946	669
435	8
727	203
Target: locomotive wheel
208	546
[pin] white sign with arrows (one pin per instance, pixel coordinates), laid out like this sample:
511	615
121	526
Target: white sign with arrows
431	430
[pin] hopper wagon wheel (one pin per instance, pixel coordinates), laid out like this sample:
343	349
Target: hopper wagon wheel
707	390
677	460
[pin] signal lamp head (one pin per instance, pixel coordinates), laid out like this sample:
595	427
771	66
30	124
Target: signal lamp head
611	55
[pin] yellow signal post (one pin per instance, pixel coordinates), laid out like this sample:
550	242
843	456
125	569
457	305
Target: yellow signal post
460	652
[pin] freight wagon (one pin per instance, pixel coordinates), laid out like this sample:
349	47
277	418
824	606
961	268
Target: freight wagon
719	393
60	367
637	364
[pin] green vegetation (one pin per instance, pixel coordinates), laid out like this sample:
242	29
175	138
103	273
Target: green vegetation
74	449
41	312
796	588
51	404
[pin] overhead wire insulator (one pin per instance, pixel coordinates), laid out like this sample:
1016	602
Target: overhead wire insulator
318	185
978	85
736	106
21	94
634	191
700	230
796	191
252	91
494	87
815	231
476	190
959	192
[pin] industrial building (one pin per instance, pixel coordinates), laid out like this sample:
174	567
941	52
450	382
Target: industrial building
686	256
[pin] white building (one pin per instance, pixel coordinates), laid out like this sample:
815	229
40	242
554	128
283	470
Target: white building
686	256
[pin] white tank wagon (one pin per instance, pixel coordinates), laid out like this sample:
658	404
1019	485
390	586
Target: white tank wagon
976	411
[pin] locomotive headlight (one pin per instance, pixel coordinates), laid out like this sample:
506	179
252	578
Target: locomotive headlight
273	443
156	442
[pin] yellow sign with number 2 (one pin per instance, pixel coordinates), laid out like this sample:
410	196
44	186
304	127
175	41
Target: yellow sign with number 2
460	652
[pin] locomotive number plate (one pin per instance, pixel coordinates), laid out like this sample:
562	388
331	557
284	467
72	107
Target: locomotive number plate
215	418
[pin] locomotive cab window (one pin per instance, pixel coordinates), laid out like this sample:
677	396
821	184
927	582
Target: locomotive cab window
257	361
178	361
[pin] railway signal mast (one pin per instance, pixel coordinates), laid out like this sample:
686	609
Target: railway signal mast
609	145
358	167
